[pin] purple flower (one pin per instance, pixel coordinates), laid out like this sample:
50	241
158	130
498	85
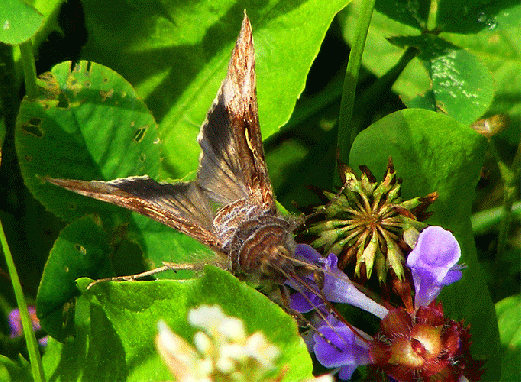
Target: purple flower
433	264
336	345
336	288
15	323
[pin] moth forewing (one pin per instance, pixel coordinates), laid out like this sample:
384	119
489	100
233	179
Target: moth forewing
182	206
232	164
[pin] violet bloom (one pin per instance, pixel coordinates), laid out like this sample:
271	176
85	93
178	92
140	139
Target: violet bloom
15	323
336	288
433	264
349	350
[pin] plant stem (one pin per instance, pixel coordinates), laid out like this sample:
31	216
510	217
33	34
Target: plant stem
510	178
433	14
346	135
30	339
29	68
483	221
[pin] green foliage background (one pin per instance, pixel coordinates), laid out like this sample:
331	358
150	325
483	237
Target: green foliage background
126	88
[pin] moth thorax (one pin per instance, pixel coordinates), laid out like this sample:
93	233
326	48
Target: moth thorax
263	248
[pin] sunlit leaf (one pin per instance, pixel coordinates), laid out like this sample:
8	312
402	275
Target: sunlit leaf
462	87
178	58
18	22
123	326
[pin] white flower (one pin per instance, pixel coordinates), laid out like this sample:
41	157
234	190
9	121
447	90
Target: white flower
181	358
222	350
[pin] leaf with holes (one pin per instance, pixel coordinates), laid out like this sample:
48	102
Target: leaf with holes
80	251
89	124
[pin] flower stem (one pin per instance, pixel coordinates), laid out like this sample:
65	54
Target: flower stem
29	68
510	177
482	221
30	339
345	134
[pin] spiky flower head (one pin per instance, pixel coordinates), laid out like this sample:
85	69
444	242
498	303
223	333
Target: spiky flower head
369	223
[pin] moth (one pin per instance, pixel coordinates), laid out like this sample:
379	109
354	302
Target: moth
246	227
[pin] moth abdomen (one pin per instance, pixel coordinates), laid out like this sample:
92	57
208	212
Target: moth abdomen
263	247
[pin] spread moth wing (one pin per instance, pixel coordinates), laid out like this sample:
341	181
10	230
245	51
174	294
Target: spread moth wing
232	165
182	206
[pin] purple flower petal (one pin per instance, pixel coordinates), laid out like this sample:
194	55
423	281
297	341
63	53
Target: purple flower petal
15	321
433	263
338	346
337	286
307	253
305	302
346	372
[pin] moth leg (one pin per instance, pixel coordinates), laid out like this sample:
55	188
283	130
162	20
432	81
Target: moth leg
167	266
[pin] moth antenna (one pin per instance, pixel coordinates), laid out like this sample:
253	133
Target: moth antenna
330	307
299	316
301	285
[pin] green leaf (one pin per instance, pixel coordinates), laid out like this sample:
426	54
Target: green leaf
51	10
508	312
161	243
88	124
460	16
500	50
179	56
119	341
433	152
18	22
472	16
14	371
404	12
498	47
81	250
462	87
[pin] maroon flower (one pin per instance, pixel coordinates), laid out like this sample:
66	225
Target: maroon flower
424	346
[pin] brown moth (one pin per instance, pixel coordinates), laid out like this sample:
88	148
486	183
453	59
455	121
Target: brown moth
247	227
